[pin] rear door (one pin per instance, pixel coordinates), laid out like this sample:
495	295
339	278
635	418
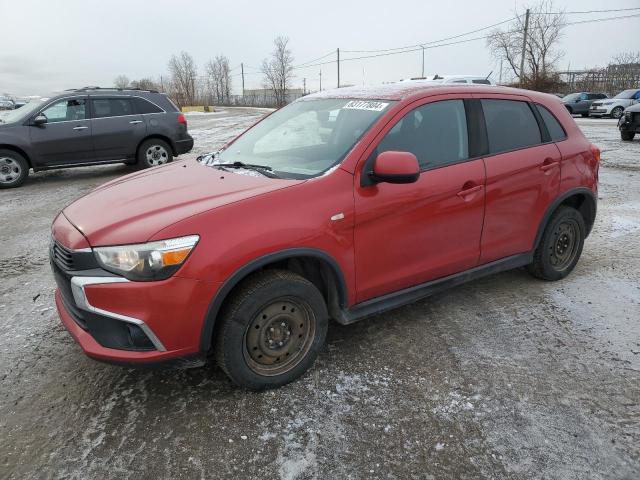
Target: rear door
409	234
66	137
117	129
523	175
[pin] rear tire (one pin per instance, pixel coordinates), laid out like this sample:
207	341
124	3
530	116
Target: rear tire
560	246
585	115
271	330
14	169
627	136
154	152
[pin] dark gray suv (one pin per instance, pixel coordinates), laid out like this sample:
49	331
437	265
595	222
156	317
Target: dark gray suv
91	126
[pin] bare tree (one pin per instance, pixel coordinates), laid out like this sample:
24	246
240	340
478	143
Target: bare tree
219	79
121	81
546	23
144	84
184	79
278	70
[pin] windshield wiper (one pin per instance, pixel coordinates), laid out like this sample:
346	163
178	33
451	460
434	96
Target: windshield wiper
263	169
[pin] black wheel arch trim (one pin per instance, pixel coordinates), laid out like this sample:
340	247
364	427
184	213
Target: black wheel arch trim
557	202
243	272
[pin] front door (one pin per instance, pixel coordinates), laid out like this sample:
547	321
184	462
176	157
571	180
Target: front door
409	234
66	136
117	131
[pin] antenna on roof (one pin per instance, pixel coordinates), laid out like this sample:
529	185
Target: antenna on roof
487	77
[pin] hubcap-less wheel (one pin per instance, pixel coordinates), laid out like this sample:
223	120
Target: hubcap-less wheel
279	336
616	112
10	170
565	245
156	155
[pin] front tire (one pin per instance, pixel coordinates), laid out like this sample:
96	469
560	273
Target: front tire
617	112
153	153
271	330
560	246
585	115
627	136
14	169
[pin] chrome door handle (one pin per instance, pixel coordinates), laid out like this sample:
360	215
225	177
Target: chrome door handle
80	128
134	122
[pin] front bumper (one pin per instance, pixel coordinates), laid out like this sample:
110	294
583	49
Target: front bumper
630	122
184	145
132	323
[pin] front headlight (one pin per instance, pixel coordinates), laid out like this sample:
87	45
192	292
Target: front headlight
147	261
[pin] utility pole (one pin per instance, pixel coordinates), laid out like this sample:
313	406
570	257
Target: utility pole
320	79
338	52
524	47
242	71
422	61
500	76
304	86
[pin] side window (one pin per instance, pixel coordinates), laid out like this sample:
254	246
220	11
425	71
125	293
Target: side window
637	95
66	110
583	96
482	81
592	96
510	125
436	133
111	107
144	106
553	126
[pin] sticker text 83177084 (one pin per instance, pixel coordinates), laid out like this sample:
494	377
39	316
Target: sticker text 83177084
366	105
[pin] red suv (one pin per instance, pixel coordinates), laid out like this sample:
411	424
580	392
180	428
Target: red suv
341	205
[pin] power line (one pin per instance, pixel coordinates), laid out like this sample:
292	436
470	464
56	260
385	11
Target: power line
433	41
315	59
589	11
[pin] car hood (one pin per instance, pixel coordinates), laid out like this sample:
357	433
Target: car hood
133	208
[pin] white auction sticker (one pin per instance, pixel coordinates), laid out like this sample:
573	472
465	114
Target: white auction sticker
366	105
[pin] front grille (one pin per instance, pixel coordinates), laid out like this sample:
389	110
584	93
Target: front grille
64	285
63	256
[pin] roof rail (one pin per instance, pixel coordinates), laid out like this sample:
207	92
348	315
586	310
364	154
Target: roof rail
84	89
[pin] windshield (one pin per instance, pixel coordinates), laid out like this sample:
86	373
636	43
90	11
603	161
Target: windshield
571	97
626	94
22	112
305	138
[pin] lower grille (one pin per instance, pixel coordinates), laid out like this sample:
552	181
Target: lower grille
62	256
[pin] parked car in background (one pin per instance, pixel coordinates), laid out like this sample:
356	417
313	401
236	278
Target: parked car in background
6	103
91	126
629	123
341	205
579	103
445	79
615	106
19	103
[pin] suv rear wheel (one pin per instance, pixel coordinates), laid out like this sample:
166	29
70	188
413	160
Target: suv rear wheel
154	152
271	330
14	169
560	246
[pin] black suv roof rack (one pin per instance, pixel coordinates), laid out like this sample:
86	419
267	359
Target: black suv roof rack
84	89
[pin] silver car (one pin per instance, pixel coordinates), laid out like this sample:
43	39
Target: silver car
613	107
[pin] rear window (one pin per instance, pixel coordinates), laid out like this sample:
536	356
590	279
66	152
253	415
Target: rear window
482	81
553	126
111	107
144	106
511	125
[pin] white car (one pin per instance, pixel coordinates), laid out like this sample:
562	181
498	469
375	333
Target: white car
613	107
439	79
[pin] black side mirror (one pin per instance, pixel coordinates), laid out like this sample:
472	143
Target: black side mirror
39	119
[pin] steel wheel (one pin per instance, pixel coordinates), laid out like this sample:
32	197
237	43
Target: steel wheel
564	246
10	170
156	155
279	336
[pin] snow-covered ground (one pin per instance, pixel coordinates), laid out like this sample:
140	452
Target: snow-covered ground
506	377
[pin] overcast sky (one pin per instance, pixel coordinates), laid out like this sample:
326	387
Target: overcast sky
53	45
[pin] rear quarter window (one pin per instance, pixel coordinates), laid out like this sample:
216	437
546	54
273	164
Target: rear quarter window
511	125
556	132
143	106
